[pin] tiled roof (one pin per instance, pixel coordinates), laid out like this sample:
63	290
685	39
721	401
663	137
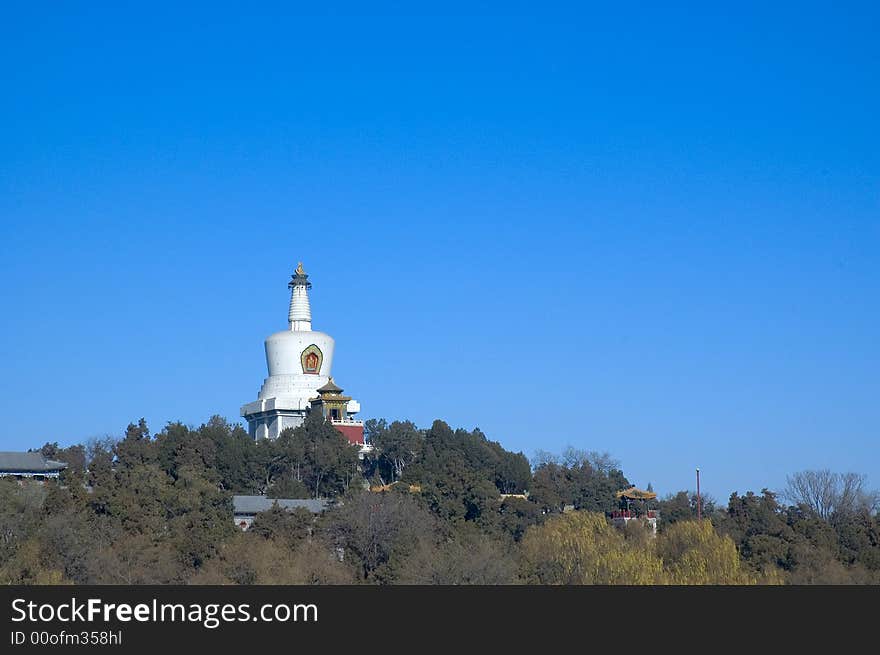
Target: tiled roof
23	462
254	504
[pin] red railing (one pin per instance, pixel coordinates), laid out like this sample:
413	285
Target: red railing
629	514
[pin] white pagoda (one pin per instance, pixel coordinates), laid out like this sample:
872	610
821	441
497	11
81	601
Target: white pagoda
300	362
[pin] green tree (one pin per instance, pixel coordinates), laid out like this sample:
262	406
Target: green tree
136	447
199	516
398	445
288	527
577	482
517	515
314	454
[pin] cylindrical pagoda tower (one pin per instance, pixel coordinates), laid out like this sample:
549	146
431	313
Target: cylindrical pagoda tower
300	314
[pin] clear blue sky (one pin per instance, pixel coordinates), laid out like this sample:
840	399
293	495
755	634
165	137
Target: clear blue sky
649	231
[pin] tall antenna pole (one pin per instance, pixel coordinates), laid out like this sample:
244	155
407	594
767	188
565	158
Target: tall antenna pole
699	503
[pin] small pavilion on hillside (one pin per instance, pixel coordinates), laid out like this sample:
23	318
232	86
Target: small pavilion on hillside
634	507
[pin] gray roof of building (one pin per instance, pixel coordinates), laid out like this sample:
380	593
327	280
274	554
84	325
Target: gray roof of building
21	462
254	504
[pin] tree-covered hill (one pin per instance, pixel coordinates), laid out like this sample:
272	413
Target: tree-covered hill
458	509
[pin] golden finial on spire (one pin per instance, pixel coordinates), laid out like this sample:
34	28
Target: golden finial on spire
299	278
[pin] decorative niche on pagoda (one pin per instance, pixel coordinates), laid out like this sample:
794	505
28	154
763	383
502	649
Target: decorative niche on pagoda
299	362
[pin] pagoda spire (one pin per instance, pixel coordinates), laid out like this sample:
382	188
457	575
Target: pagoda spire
300	314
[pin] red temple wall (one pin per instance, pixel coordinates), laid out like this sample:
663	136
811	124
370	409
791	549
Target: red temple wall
354	433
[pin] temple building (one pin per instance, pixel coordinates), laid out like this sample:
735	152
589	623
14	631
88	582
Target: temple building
246	508
300	360
30	465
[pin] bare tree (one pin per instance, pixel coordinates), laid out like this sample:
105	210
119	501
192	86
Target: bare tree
854	496
573	457
603	461
96	445
378	527
812	489
543	458
826	493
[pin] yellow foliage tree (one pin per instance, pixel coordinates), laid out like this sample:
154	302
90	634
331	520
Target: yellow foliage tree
28	567
693	553
582	548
